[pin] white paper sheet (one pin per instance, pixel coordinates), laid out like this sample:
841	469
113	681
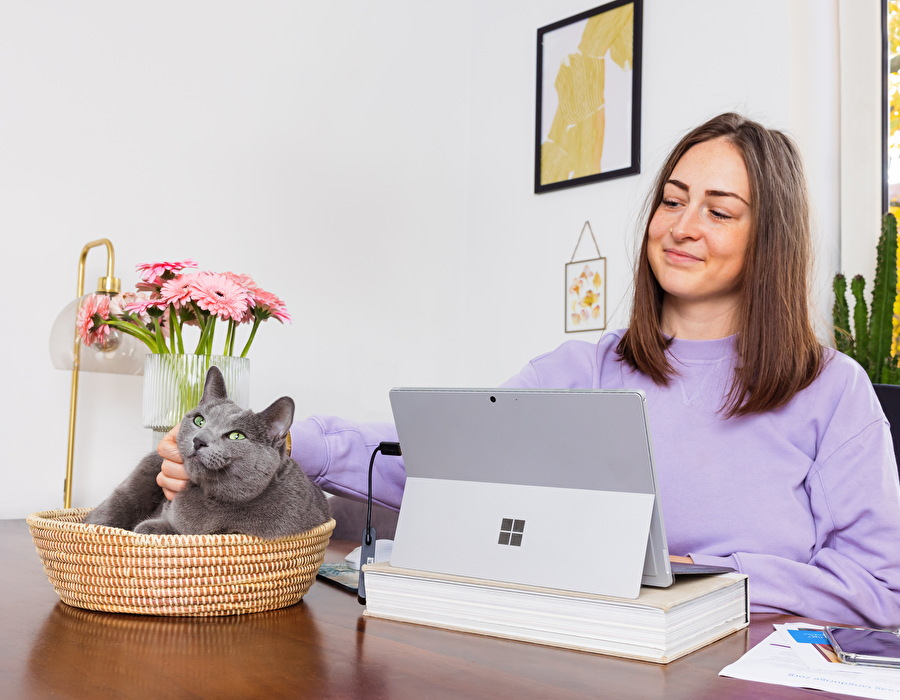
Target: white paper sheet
782	660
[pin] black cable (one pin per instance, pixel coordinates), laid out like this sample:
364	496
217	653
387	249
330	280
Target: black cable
391	449
367	535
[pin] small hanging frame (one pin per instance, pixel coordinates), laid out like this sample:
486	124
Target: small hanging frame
586	289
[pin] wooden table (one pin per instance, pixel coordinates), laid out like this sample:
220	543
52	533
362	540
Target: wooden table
322	647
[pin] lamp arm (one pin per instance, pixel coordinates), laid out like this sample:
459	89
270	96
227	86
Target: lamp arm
106	285
109	284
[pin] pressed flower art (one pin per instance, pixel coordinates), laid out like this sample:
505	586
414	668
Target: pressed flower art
586	288
586	295
172	295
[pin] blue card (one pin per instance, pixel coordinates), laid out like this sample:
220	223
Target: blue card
809	636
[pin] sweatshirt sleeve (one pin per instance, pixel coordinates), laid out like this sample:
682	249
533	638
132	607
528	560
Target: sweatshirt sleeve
335	454
852	575
573	365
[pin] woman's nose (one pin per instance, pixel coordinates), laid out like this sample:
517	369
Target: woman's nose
685	226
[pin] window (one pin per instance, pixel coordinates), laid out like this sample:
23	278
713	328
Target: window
892	99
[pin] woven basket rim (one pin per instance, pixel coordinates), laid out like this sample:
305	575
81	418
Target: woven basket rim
113	570
53	520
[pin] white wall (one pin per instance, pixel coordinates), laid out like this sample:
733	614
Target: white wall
371	164
319	147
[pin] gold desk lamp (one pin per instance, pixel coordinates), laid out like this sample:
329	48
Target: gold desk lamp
120	354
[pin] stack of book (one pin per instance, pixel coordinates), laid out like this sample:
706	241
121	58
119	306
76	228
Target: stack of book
660	625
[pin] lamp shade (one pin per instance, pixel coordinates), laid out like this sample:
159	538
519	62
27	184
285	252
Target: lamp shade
124	354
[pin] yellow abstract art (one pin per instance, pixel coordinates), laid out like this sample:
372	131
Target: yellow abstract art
573	147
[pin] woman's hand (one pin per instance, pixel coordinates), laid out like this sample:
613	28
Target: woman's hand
172	476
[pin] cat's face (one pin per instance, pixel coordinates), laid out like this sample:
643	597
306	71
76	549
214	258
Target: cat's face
231	453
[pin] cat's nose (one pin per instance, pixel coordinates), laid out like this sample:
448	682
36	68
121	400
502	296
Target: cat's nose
198	443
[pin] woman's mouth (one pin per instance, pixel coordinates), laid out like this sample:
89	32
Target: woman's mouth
681	257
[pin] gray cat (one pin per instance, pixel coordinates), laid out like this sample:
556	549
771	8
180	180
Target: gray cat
241	479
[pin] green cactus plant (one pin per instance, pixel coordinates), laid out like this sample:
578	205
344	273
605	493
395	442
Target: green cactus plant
870	339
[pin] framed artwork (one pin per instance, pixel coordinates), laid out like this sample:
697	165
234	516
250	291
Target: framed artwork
586	295
586	289
588	106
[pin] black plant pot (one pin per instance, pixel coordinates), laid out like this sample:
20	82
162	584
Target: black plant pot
889	396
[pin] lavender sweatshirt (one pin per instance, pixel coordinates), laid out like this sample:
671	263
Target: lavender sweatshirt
803	499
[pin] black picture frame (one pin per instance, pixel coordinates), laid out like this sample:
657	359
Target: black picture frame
588	118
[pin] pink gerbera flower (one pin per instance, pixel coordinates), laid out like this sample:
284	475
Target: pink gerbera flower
150	272
179	290
152	286
118	302
221	296
267	305
141	305
245	281
91	314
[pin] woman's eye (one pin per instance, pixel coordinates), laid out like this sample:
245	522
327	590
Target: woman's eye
236	435
720	214
669	203
199	421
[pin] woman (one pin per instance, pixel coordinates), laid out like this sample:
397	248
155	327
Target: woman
773	455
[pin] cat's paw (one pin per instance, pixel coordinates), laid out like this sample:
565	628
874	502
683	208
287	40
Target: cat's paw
154	526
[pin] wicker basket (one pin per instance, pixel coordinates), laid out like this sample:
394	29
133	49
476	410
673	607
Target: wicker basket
112	570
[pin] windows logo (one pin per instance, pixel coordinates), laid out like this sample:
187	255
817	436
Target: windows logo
511	532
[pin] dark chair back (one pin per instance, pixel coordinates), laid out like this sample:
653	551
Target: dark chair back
889	396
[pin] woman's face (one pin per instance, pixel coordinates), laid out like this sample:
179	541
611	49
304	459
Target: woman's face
698	235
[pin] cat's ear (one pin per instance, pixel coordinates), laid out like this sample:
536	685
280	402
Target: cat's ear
215	385
278	418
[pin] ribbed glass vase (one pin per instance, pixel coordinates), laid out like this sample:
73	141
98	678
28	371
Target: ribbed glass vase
173	385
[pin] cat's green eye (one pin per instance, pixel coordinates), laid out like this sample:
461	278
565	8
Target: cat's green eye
236	435
199	421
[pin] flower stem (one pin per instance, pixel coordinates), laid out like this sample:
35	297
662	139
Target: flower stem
212	334
228	348
141	334
205	322
175	331
161	347
256	322
204	345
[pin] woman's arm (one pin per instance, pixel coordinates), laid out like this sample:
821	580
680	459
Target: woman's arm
335	454
852	574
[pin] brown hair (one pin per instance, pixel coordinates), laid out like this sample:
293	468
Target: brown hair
777	348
